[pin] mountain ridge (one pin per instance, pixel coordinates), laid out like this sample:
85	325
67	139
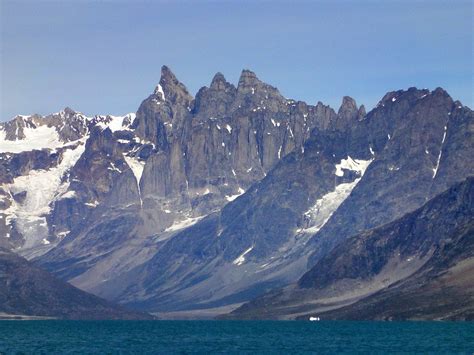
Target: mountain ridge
205	202
416	267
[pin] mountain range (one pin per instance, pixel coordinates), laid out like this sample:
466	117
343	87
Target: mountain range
241	200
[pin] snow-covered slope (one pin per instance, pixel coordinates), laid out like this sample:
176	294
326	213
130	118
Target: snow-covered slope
40	188
42	137
317	216
37	154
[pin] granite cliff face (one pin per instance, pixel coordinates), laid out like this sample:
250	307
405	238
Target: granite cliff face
205	202
122	183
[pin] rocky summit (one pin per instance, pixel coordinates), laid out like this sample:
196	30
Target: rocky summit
193	206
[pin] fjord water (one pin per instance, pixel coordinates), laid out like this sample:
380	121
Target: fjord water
234	337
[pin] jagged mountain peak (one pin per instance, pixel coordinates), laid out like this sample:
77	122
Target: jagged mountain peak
348	106
411	94
247	74
167	74
440	91
348	113
69	111
170	88
348	102
219	82
250	84
248	79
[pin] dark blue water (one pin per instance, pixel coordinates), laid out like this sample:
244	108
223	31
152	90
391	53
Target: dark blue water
49	337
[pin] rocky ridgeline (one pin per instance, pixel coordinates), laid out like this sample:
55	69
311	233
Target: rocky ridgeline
412	146
180	158
207	202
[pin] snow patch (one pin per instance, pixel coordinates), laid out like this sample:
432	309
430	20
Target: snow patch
114	123
357	165
178	225
68	194
322	210
159	90
42	188
137	167
114	168
241	259
318	214
435	169
94	203
230	198
37	138
291	132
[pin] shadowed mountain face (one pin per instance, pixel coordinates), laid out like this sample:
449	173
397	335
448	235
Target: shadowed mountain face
417	267
29	291
207	202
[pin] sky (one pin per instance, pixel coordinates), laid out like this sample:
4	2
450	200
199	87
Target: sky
104	57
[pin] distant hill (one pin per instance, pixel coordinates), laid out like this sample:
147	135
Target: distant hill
30	291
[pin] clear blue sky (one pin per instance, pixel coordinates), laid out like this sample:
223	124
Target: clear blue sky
105	56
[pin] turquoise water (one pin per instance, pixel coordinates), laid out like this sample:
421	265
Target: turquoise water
49	337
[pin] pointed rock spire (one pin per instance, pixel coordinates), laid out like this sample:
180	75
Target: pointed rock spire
218	82
169	104
348	113
248	78
348	107
69	111
215	99
170	88
362	112
249	83
167	75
